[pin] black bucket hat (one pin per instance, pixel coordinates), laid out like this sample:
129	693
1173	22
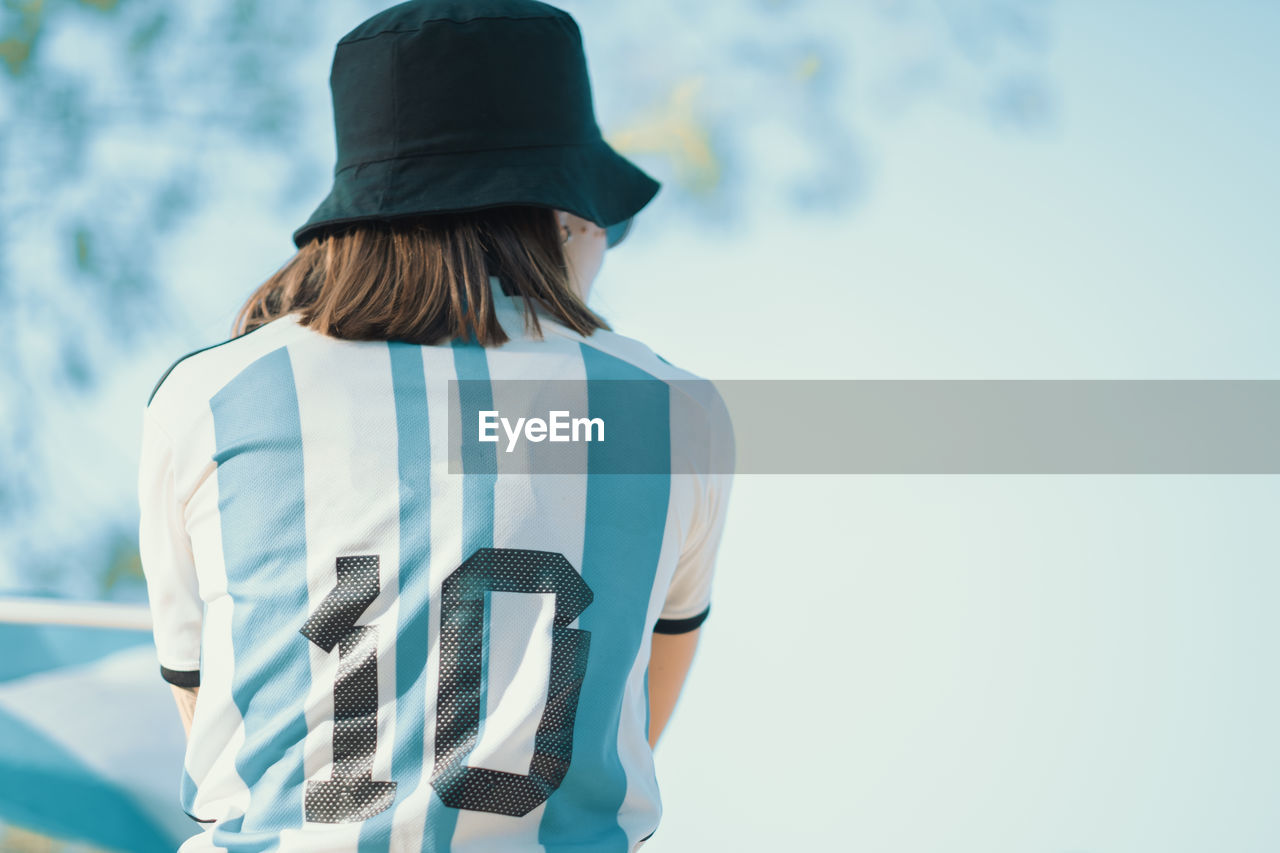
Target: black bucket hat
449	105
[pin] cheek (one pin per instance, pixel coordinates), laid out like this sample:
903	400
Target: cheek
587	254
596	253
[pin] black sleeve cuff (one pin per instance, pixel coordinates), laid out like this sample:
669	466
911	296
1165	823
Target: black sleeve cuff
181	678
681	626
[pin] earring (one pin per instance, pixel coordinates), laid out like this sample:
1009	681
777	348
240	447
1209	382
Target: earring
568	235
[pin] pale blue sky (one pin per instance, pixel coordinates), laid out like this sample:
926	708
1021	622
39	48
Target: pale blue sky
987	664
1134	237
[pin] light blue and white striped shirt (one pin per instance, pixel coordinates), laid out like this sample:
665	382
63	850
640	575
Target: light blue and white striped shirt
395	657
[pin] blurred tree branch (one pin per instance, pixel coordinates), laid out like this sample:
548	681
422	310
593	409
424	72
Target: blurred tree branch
114	116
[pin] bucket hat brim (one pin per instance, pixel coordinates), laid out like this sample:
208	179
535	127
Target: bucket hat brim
590	180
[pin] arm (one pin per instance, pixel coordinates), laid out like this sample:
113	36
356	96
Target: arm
688	598
669	663
177	610
186	699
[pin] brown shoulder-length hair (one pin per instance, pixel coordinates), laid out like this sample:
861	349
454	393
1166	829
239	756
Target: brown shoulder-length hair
424	279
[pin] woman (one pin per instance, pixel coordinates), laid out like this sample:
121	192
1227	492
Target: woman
383	633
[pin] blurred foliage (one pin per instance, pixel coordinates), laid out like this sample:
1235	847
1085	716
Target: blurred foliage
115	113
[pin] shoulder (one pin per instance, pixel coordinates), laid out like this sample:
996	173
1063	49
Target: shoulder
633	352
697	405
197	376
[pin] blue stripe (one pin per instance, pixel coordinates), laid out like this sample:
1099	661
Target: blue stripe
479	462
261	500
413	441
625	521
187	792
480	475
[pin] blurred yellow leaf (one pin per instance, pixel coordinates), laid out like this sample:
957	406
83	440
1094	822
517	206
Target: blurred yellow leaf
15	48
15	53
673	130
124	564
808	66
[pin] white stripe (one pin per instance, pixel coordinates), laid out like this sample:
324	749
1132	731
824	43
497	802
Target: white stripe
519	657
349	479
221	793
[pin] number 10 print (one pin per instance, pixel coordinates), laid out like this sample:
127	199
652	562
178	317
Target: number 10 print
352	794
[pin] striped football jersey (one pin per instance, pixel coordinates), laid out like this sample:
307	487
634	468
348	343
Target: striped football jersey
405	640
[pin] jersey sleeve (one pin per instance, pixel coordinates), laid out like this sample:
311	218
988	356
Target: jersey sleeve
688	601
177	611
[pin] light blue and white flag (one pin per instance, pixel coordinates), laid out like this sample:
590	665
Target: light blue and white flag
90	742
